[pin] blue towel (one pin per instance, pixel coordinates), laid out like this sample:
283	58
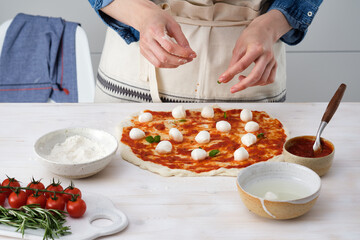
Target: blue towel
38	60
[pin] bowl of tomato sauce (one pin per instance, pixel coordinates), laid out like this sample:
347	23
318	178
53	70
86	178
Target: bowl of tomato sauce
300	150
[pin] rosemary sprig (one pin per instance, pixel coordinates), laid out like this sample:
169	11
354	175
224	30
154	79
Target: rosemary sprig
34	217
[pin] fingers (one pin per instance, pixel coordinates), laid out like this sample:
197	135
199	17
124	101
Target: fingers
236	57
259	76
154	60
249	57
163	50
269	74
272	75
175	31
253	77
237	53
176	45
166	58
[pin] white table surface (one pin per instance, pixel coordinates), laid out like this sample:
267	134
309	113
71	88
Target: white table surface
201	207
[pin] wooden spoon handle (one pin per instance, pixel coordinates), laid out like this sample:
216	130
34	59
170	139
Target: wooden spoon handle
334	103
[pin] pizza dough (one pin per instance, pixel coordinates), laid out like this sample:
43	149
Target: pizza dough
271	137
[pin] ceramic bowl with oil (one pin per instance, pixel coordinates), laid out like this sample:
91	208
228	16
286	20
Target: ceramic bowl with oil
278	190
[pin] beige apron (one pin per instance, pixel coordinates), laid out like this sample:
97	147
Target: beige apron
212	29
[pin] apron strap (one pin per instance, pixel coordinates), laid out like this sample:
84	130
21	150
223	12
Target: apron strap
203	23
154	89
148	74
218	14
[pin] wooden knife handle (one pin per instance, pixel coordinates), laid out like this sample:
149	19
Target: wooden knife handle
334	103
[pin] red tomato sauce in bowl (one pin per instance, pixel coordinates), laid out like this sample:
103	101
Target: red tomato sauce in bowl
303	147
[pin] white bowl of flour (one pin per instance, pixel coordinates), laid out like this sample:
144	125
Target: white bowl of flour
76	152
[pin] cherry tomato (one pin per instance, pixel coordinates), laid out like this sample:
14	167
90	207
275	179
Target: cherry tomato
73	190
17	199
35	185
54	186
76	208
39	199
55	202
12	182
2	199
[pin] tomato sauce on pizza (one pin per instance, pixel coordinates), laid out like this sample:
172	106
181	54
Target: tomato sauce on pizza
270	138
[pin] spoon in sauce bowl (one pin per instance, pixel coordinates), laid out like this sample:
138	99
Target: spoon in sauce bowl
329	113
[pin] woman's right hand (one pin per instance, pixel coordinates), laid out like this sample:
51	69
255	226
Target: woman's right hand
162	41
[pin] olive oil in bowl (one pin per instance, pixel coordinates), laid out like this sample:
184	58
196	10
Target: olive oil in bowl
278	189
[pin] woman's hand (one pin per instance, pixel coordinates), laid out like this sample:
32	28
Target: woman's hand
255	45
161	40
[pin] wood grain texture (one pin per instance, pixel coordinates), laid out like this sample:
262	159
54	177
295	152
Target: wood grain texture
195	207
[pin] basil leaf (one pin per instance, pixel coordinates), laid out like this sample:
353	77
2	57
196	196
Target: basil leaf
213	153
157	138
261	135
218	82
149	139
225	115
182	120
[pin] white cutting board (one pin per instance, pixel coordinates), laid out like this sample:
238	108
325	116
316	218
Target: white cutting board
98	207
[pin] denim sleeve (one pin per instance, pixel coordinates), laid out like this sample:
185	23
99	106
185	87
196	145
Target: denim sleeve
299	14
128	33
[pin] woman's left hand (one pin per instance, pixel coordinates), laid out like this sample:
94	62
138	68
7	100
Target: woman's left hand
255	45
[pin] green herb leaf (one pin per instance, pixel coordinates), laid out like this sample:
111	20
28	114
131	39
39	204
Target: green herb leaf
34	217
149	139
225	115
157	138
200	147
182	120
261	135
214	152
218	82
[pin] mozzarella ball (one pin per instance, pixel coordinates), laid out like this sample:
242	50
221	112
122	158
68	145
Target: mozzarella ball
145	117
136	134
176	135
198	154
248	139
164	147
271	196
203	137
223	126
251	126
179	112
207	112
246	115
241	154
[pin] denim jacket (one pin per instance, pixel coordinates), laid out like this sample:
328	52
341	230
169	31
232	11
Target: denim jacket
299	14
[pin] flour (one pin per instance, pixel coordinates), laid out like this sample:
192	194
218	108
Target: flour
76	149
168	38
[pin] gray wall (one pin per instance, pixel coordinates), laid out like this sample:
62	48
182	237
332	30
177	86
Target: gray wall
329	55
